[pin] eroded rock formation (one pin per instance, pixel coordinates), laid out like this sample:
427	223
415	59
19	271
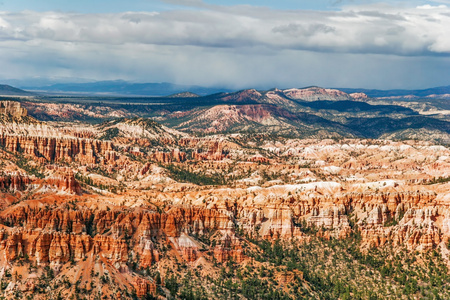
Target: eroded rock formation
85	151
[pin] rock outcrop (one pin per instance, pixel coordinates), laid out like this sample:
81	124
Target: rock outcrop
229	247
13	109
144	287
65	181
167	157
14	182
48	149
316	93
214	152
55	237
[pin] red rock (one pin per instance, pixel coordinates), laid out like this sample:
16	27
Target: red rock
164	157
14	182
65	182
229	248
143	287
84	151
215	152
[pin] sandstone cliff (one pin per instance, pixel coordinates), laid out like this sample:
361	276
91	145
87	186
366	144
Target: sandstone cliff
12	108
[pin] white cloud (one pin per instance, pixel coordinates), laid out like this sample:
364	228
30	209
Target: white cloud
428	6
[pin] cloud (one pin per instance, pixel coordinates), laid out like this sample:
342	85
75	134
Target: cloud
428	6
392	31
295	30
191	3
185	2
238	45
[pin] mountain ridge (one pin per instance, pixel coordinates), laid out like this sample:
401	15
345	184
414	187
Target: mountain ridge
375	93
306	112
122	87
7	90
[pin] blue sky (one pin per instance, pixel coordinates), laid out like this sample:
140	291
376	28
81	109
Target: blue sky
111	6
115	6
261	44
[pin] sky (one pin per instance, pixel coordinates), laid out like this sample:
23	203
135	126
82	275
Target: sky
232	44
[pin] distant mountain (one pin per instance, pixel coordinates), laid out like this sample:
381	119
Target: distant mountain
125	88
308	112
311	112
290	98
256	118
120	87
7	90
443	90
184	95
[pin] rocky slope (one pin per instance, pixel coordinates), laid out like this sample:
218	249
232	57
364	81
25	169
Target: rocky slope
260	118
132	209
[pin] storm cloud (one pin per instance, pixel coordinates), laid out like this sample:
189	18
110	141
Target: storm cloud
233	46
